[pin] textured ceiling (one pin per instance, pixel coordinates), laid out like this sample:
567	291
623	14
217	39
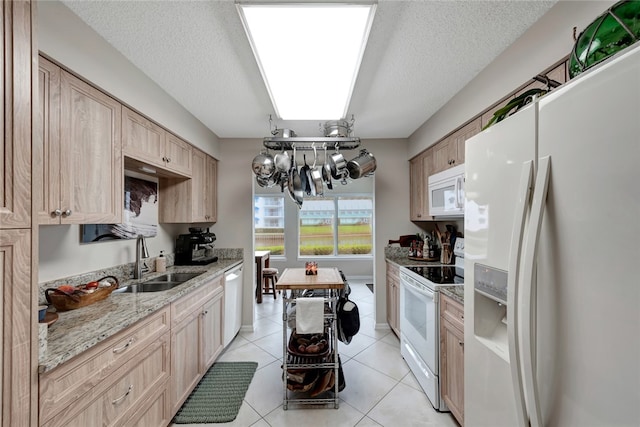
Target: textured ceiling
419	55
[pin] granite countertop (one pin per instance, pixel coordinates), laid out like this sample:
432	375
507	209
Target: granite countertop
454	292
78	330
399	256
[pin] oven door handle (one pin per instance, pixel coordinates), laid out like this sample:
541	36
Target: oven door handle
425	292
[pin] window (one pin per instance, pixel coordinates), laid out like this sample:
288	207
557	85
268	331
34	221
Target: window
268	223
336	226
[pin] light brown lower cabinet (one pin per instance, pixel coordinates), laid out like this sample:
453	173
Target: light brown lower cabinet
113	382
142	375
452	356
393	297
196	338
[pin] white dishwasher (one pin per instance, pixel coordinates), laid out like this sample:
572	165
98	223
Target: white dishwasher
232	303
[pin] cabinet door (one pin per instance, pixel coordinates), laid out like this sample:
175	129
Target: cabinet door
419	169
178	155
212	330
91	167
142	139
460	139
443	153
198	187
393	300
46	144
15	326
185	369
15	157
211	190
452	365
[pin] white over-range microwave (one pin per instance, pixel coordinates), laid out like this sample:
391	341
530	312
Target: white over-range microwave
446	192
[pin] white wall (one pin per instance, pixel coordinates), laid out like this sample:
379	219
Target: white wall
67	40
545	43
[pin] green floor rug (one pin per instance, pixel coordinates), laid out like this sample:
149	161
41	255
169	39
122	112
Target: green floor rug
218	396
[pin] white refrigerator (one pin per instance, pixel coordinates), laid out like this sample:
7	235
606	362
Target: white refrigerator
552	258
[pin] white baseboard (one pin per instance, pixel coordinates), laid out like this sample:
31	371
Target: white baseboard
366	279
246	328
382	326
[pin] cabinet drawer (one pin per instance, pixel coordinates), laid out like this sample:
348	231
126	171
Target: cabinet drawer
69	383
452	311
137	379
154	413
182	308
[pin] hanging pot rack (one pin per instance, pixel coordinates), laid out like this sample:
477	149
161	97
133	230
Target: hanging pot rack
306	143
286	139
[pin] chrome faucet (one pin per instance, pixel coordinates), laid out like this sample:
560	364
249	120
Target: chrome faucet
141	252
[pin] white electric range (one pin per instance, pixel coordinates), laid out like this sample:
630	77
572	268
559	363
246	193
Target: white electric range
420	319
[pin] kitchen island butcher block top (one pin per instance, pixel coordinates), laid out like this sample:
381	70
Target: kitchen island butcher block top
297	279
78	330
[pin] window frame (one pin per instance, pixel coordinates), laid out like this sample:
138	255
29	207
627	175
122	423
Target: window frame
335	197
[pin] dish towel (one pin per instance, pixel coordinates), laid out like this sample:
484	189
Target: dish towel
310	315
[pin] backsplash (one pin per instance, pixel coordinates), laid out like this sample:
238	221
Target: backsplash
396	252
124	272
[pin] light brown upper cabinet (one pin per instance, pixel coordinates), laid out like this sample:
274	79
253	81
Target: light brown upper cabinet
420	167
450	151
15	157
78	164
191	200
147	142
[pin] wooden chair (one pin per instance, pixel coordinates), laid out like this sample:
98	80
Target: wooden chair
270	278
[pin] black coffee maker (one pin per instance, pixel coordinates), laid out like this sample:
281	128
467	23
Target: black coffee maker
191	248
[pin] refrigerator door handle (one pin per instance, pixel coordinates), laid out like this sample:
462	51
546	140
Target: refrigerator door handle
522	202
529	289
456	190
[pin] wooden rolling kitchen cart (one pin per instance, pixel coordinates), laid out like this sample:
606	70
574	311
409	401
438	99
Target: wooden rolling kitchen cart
303	373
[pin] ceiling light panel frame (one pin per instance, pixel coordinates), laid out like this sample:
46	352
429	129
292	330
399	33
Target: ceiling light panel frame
283	68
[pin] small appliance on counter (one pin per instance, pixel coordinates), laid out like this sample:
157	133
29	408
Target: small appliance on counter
194	248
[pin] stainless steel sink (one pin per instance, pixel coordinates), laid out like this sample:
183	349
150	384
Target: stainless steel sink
161	283
172	277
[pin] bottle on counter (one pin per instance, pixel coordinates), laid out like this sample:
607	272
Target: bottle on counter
161	262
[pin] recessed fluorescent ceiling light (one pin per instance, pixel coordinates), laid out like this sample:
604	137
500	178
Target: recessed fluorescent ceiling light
309	54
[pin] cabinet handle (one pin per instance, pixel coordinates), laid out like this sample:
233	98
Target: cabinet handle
118	400
57	212
124	347
67	212
204	313
460	343
168	159
419	215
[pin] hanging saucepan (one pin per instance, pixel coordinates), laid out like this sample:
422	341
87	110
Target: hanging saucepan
363	165
337	128
315	176
305	176
326	170
263	165
282	161
338	165
295	184
283	133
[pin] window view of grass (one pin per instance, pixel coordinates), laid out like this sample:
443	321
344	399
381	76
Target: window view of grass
328	226
351	234
352	239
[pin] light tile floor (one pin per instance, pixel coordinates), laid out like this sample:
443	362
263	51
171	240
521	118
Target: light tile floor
380	389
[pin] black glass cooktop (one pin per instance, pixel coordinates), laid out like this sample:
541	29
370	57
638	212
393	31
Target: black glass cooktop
437	275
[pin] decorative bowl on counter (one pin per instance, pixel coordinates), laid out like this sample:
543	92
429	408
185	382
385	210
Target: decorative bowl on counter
67	297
